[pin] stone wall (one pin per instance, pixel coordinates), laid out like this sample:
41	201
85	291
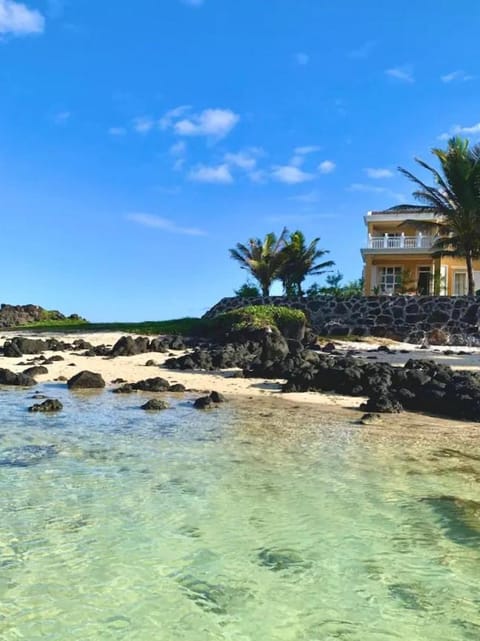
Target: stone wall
440	319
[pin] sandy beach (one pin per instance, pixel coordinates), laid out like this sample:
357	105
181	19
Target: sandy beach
134	368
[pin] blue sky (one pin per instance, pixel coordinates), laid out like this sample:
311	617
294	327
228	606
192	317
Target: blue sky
140	140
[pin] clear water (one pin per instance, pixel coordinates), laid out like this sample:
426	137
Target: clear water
242	523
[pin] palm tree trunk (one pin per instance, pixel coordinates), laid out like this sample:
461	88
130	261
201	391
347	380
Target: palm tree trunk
265	291
471	282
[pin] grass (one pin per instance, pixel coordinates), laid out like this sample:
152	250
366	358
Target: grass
258	316
285	319
185	326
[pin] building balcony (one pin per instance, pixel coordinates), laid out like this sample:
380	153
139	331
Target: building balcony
390	243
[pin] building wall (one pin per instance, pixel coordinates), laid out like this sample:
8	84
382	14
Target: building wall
409	318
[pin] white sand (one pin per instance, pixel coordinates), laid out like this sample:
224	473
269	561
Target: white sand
132	368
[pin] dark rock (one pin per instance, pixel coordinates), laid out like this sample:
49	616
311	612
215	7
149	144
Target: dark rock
156	384
124	389
11	350
86	380
203	403
50	405
155	404
329	347
117	381
36	370
151	363
217	397
158	345
177	387
371	419
381	403
10	378
128	346
53	359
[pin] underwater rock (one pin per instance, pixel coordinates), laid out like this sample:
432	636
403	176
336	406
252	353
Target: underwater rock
155	404
459	518
203	403
26	455
371	418
50	405
278	559
217	397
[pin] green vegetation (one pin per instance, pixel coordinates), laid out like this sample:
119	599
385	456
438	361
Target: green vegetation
288	321
248	290
262	259
299	261
287	257
334	287
285	319
185	326
456	198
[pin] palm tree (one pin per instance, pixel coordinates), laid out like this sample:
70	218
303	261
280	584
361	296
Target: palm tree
300	261
456	199
262	259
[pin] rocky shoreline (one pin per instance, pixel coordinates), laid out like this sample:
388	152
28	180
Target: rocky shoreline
250	362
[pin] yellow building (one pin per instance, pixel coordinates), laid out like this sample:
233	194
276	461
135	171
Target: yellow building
398	258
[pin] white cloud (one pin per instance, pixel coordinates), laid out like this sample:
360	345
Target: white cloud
219	174
459	75
258	176
246	161
307	149
290	175
404	74
326	167
17	19
309	197
302	58
171	115
179	148
216	123
458	130
241	159
300	152
143	124
117	131
378	173
178	151
157	222
62	117
374	189
363	51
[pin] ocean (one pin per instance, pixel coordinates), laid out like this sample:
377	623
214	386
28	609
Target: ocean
253	521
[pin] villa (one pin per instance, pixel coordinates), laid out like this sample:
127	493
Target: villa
398	257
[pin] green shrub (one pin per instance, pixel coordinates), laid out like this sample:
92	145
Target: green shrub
290	322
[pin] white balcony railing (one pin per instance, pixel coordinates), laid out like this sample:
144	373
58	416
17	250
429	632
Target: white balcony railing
388	241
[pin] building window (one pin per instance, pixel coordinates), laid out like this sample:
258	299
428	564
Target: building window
390	279
424	283
460	287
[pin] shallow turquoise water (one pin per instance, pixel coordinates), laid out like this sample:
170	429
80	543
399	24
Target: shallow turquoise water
243	523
